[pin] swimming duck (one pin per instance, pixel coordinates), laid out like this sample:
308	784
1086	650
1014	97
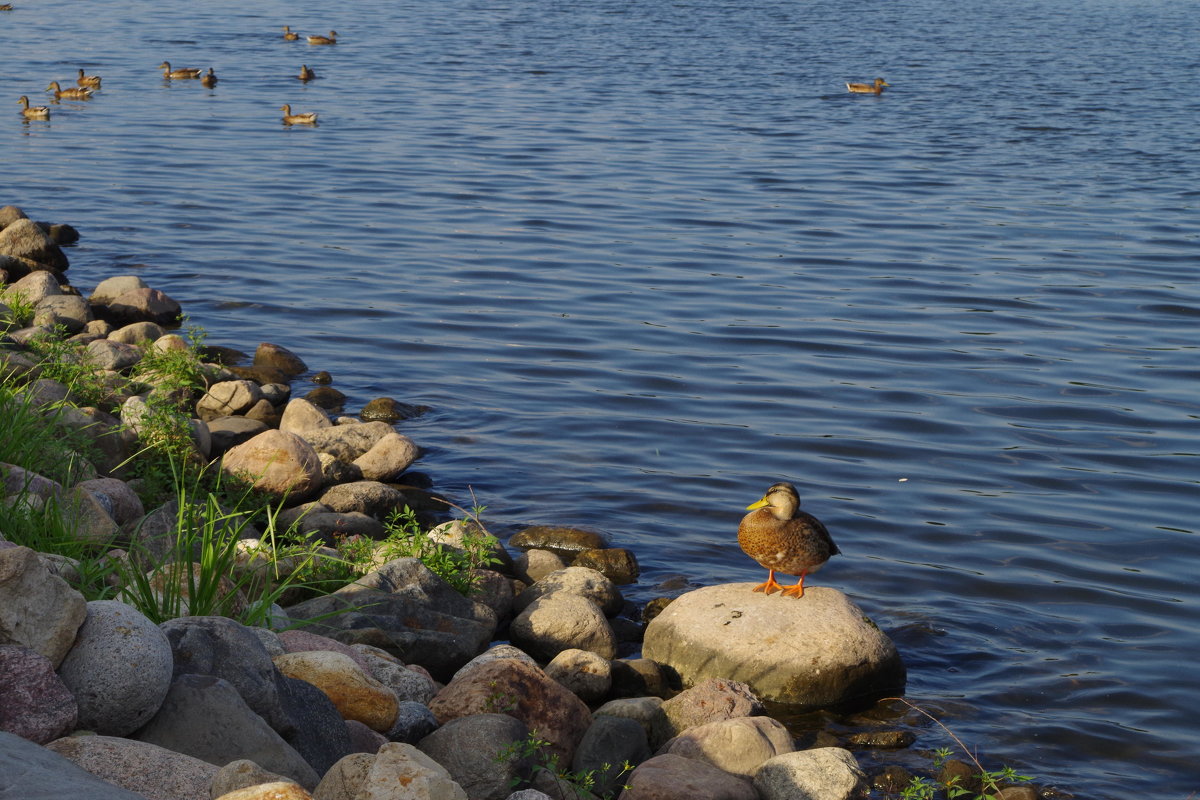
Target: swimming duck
330	39
868	88
308	118
70	93
779	536
289	34
88	81
306	74
36	112
178	74
209	80
6	7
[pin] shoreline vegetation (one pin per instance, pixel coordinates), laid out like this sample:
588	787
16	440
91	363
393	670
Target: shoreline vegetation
212	587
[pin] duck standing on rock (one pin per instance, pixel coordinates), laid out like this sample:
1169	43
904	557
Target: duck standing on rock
781	537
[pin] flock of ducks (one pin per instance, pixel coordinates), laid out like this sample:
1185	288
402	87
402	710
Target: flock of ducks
86	84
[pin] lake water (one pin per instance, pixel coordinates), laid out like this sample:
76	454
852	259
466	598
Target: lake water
644	258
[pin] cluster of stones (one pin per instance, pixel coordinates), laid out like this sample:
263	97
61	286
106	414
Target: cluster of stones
397	686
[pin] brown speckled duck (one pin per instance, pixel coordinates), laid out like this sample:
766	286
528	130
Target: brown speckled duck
209	79
289	34
183	73
868	88
781	537
306	74
70	93
34	112
330	39
308	118
88	81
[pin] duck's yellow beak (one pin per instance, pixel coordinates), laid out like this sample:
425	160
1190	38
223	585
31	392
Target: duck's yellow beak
760	504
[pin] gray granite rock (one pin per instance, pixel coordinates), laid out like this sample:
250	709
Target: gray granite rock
510	686
38	609
391	672
223	648
23	238
587	674
404	765
205	717
111	288
318	731
562	621
407	610
472	750
414	721
344	779
32	772
824	773
738	746
579	581
240	774
119	668
146	769
710	701
671	777
388	458
608	745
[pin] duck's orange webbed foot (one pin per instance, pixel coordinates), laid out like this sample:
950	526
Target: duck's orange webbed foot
794	591
770	586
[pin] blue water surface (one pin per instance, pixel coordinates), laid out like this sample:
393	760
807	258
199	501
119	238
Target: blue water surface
644	258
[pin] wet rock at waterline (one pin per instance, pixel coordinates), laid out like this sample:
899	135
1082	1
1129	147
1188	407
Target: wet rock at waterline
816	651
565	541
22	238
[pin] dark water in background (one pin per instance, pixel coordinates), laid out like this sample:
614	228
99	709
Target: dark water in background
645	258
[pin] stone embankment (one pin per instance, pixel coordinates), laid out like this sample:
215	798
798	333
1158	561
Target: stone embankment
396	685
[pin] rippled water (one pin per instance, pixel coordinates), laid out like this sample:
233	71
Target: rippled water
645	258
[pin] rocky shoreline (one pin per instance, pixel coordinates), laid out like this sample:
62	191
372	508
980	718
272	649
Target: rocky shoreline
395	685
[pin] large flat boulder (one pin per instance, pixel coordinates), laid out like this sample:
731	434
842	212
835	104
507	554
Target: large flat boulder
818	651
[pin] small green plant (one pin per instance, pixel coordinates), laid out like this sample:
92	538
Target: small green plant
582	783
20	310
201	572
69	363
990	781
405	538
181	369
498	702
